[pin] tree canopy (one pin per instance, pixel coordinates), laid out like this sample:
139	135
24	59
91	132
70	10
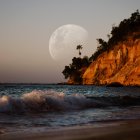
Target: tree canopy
119	33
74	69
79	47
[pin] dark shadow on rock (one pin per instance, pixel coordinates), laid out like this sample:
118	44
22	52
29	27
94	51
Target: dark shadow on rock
115	84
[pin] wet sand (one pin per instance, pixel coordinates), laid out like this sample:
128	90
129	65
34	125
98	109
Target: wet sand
120	130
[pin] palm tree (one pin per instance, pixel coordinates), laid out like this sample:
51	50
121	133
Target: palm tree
79	47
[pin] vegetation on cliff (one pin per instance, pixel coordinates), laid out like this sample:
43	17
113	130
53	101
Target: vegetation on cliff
79	47
119	33
75	70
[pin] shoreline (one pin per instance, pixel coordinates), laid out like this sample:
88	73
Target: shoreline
129	129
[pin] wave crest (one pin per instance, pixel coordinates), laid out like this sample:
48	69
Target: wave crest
38	100
49	100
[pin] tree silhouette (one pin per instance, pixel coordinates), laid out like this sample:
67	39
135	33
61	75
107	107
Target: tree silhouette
79	47
119	33
74	70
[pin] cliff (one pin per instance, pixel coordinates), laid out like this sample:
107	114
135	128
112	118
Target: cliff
76	79
115	62
119	64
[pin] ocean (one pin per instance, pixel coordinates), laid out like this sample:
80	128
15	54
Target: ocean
45	106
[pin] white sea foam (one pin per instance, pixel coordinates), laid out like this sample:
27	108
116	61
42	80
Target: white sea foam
49	100
39	100
5	103
9	104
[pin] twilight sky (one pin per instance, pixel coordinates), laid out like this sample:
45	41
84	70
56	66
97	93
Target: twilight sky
26	26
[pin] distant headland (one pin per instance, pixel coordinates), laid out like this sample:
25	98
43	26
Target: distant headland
115	61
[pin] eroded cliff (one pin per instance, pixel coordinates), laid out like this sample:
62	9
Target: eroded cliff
116	61
120	64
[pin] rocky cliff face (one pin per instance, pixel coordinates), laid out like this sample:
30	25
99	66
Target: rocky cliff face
120	64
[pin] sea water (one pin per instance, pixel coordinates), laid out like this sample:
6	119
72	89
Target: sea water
53	106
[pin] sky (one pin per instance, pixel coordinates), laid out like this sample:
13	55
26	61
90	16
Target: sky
26	27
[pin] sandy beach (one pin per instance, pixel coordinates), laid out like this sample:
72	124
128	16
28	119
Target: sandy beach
120	130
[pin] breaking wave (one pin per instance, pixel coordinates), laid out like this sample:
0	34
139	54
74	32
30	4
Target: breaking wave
44	101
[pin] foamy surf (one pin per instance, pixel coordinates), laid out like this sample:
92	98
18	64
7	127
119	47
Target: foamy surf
43	101
49	100
54	106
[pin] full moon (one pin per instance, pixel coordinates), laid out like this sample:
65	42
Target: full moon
63	42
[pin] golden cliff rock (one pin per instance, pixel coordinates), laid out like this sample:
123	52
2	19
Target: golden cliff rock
120	64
